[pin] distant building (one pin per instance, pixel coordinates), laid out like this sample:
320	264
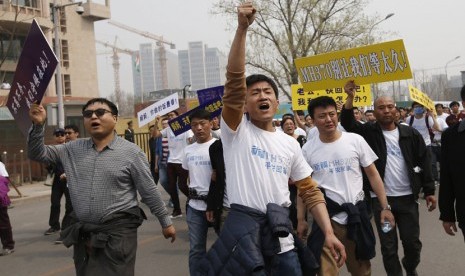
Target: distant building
201	67
148	72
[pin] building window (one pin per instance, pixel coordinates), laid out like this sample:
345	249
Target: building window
26	3
67	85
62	19
64	53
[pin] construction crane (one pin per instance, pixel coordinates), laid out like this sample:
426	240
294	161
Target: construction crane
116	64
160	43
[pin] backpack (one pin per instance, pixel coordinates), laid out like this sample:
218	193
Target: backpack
430	130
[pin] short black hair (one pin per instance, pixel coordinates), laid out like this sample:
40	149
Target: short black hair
130	123
455	102
200	114
252	79
323	101
152	126
287	115
369	111
73	127
416	103
287	118
308	115
438	104
462	93
111	105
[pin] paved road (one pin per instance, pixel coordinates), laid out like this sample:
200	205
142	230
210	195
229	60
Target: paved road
38	255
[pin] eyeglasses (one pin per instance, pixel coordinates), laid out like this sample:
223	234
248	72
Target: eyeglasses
61	134
98	112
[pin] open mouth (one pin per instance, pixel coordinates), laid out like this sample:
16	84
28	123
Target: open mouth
95	124
264	106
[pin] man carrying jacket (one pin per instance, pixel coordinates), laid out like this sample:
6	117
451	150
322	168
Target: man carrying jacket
405	166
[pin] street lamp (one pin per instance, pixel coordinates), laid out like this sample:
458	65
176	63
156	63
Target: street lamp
55	10
377	23
187	88
445	69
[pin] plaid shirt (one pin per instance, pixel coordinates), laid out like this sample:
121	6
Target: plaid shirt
101	183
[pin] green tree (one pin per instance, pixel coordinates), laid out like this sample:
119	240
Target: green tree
288	29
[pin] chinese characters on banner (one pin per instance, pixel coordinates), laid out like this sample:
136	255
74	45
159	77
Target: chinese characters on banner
34	71
417	96
301	98
205	95
369	64
182	124
162	107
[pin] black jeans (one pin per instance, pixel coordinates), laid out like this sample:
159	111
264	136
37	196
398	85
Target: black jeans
58	190
435	158
177	177
6	234
405	211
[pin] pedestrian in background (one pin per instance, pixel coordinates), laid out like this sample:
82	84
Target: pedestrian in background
6	232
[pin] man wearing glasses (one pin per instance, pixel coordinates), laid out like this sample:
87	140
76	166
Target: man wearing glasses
104	174
71	132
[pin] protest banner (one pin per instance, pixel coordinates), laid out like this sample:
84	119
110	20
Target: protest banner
301	98
182	123
162	107
33	73
417	96
368	64
205	95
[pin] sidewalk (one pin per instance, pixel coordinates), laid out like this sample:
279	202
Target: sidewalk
36	190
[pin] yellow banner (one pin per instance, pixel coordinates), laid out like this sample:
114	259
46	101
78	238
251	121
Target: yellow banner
369	64
301	97
417	96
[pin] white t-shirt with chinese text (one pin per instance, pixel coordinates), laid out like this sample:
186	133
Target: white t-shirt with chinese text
258	166
396	181
176	144
337	167
197	161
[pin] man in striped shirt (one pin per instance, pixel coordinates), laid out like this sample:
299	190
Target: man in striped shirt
104	174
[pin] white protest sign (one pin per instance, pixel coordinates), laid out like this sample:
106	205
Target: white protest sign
162	107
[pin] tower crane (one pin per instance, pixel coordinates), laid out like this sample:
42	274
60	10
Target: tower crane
116	64
160	43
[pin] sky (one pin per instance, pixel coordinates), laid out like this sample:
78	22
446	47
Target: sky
431	30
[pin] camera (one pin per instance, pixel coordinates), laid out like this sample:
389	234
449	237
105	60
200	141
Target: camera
79	10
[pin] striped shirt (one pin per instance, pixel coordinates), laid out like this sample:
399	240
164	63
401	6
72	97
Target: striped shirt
105	182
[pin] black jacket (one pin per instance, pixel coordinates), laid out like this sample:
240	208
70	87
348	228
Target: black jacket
216	191
411	145
452	189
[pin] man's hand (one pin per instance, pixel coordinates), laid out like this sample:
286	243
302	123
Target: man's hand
37	114
431	202
245	14
349	88
302	229
63	176
386	215
449	227
337	249
210	216
169	232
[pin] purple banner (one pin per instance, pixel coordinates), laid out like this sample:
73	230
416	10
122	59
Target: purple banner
35	68
182	124
208	94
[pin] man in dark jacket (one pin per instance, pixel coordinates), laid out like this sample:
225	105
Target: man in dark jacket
452	189
405	167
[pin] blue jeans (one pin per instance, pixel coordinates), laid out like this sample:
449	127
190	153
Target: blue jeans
286	264
163	174
198	229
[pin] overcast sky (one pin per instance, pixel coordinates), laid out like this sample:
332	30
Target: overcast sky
432	31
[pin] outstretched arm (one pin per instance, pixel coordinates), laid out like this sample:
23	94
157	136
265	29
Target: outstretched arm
235	88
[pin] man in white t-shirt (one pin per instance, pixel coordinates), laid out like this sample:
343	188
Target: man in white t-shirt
260	160
337	159
177	177
404	164
197	162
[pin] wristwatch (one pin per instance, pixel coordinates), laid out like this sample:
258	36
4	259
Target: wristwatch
388	207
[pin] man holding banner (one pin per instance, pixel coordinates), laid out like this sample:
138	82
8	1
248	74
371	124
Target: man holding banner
259	162
404	164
